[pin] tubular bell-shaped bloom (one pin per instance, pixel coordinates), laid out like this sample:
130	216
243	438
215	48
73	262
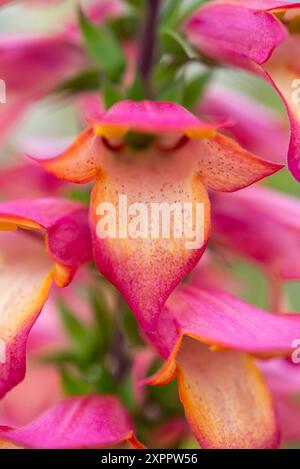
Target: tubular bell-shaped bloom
209	340
247	34
78	422
29	265
161	171
263	225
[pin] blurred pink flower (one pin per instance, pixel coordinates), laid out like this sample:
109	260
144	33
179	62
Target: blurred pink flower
261	224
45	61
255	127
283	378
77	422
247	34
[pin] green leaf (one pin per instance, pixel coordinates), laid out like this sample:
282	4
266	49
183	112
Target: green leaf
126	394
73	384
176	45
80	195
176	11
111	94
130	327
174	92
103	48
194	89
135	3
101	379
74	327
83	81
124	27
165	72
61	357
136	92
171	13
283	181
102	329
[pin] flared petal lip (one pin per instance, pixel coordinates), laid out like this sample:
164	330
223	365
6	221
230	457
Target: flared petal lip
188	329
36	213
168	370
46	214
151	117
76	422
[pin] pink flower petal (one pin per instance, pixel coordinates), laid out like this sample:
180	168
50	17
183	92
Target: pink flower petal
231	32
12	182
199	312
254	126
142	361
266	5
212	364
245	34
170	433
39	390
282	71
211	273
288	411
80	163
78	422
26	278
283	378
27	271
150	117
261	224
65	223
223	165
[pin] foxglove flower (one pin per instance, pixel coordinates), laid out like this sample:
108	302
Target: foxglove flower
29	265
263	225
209	340
197	158
247	34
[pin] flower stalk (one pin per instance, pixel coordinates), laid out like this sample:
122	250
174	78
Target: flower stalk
147	48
